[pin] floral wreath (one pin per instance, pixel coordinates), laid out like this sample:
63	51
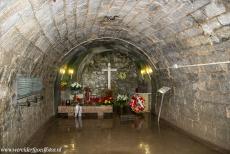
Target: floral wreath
137	103
122	75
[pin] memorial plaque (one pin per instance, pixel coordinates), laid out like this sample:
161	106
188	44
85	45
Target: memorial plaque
27	86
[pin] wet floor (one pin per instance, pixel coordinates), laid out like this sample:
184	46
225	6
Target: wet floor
117	135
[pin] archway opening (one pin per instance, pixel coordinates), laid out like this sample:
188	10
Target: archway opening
86	65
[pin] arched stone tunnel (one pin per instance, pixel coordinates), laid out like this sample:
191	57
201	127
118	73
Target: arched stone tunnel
36	36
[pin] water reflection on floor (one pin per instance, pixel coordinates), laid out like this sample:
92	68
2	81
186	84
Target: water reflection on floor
126	135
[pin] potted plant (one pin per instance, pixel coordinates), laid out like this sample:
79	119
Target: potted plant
120	103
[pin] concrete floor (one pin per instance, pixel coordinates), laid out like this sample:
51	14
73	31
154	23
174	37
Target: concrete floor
117	136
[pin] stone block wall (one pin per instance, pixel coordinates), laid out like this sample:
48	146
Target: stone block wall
201	108
200	98
19	123
97	80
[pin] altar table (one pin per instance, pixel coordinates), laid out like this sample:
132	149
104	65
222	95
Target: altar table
100	110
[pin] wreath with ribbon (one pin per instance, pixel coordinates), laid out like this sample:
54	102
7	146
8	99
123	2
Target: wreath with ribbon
137	103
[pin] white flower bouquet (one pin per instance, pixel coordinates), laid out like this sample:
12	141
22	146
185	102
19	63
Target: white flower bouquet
121	100
75	86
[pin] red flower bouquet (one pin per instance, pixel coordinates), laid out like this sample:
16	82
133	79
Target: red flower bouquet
101	100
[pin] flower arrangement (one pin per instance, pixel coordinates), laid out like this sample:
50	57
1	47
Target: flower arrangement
121	100
75	86
107	100
63	85
137	103
77	99
101	100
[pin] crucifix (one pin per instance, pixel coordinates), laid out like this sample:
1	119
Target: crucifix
109	70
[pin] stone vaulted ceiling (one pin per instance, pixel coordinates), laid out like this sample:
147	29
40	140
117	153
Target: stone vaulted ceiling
36	34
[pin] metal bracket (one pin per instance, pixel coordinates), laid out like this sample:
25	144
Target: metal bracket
28	101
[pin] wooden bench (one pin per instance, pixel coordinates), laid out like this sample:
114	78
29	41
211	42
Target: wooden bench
100	110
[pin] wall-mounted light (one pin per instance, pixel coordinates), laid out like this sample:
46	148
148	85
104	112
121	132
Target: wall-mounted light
146	70
65	70
62	72
149	70
70	72
143	72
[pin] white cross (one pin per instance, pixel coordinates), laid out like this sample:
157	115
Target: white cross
109	70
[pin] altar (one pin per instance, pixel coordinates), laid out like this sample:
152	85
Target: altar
101	101
100	110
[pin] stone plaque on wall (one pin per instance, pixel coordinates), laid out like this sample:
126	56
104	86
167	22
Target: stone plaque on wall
27	86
